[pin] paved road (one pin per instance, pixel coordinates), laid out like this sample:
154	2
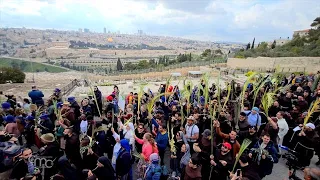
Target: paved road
280	170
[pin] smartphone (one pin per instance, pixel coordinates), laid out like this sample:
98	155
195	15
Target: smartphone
238	172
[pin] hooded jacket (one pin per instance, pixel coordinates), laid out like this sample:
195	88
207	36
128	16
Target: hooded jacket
105	172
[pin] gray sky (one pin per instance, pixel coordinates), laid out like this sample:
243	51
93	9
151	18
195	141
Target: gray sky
214	20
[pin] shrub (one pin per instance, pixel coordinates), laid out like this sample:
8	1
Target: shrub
11	74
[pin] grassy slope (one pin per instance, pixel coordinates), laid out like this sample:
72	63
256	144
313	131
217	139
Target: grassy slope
37	67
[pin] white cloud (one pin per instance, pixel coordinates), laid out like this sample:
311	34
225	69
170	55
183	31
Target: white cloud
233	20
16	7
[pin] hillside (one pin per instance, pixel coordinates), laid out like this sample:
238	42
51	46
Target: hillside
27	66
300	46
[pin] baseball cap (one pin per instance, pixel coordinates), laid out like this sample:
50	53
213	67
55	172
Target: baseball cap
227	145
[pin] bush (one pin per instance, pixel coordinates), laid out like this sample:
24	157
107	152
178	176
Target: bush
11	74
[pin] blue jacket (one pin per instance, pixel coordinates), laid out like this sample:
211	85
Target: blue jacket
266	165
153	172
162	140
36	97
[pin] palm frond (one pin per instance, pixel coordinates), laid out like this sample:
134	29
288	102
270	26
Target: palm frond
167	87
244	146
267	101
250	77
228	96
140	93
219	90
95	100
314	107
152	102
137	155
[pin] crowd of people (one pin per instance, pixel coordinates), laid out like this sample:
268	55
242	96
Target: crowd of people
198	132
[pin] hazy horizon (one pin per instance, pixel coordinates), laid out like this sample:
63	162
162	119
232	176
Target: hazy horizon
205	20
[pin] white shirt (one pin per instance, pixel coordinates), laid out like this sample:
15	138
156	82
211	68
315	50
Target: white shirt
283	127
191	131
84	127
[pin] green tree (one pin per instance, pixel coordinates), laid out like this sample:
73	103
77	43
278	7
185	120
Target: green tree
248	46
273	44
119	65
254	39
11	74
206	52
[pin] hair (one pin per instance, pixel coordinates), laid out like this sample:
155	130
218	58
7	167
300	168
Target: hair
266	135
150	139
70	129
164	126
26	100
195	160
282	113
141	124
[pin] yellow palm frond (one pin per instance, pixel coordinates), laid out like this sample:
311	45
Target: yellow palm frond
314	107
267	101
244	146
250	77
228	95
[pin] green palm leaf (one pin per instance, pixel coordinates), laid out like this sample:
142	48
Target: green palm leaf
244	146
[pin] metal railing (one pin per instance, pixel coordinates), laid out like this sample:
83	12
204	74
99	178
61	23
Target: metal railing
69	87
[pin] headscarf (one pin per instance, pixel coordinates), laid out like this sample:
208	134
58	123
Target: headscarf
154	158
125	144
186	157
66	169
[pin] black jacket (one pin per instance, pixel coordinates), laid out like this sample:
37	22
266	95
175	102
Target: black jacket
123	163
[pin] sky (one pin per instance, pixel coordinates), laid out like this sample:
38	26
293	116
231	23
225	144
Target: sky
207	20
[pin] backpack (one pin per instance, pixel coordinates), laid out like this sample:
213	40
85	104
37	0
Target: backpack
257	118
156	172
8	155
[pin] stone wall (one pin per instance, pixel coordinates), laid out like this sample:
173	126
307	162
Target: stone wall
311	64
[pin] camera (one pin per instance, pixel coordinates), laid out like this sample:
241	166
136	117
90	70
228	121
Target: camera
292	160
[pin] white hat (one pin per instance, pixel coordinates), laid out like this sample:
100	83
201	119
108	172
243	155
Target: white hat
310	125
191	118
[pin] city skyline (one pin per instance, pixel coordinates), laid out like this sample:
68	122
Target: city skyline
209	20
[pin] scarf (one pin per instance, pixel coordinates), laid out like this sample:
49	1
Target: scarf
186	157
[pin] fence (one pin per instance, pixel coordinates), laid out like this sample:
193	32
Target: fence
268	70
174	66
68	88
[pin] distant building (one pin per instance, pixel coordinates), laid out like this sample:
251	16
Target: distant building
140	32
60	44
86	30
105	30
301	33
80	30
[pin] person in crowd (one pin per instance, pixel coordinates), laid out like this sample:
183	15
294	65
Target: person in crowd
104	170
191	132
36	96
243	127
75	107
72	147
264	153
162	140
254	118
193	169
222	161
185	158
57	95
98	96
11	126
139	133
283	128
153	170
123	162
24	166
230	138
